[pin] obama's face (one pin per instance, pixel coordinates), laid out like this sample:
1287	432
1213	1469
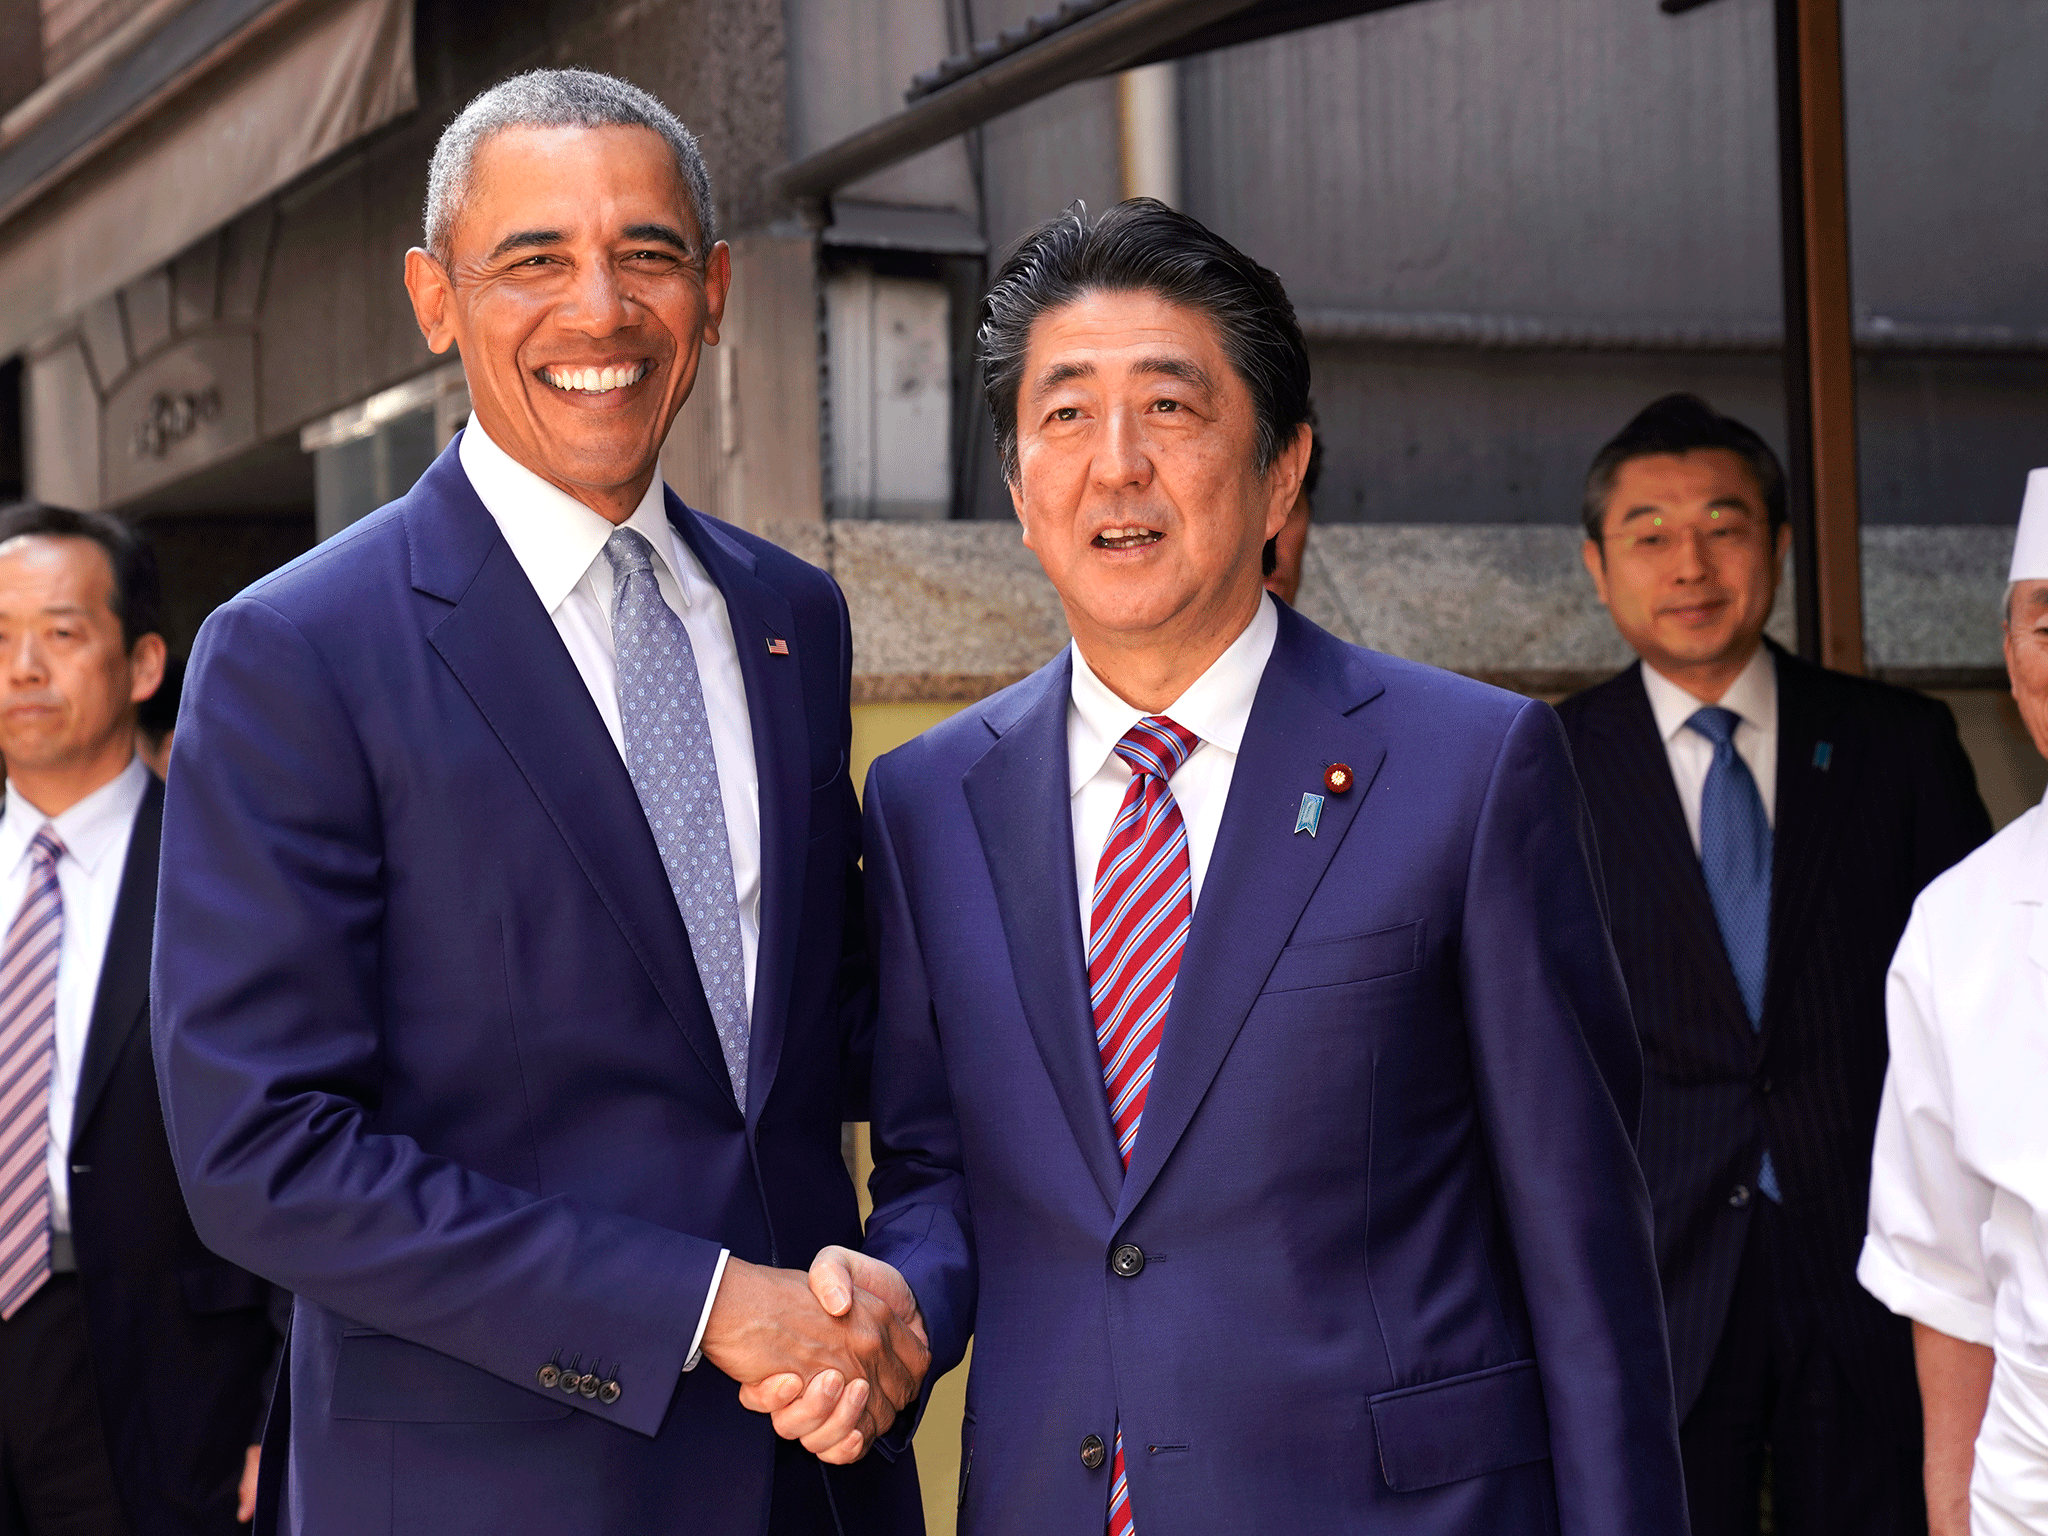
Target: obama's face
577	290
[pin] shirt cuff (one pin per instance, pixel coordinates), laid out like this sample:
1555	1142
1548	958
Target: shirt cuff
1909	1295
704	1317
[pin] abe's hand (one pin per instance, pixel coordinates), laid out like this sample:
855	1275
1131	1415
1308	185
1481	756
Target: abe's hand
820	1411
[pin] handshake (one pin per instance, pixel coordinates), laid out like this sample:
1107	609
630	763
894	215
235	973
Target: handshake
832	1357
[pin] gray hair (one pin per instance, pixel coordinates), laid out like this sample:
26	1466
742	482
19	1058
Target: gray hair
556	98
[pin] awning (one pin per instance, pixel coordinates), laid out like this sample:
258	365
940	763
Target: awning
128	174
1078	40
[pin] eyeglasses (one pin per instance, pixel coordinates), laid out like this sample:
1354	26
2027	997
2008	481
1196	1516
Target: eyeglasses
1658	538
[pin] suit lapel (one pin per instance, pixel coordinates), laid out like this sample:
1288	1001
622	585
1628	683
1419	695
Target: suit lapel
1261	874
782	755
504	650
122	1001
1632	772
1813	789
1022	807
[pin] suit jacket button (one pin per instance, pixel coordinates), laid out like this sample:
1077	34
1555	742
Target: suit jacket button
1128	1260
571	1381
588	1385
1092	1453
608	1393
548	1376
1739	1196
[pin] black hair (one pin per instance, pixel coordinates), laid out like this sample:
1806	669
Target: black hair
1680	424
1141	245
157	716
138	595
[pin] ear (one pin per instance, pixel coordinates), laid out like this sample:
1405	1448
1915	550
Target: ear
145	668
717	284
1283	480
433	298
1594	553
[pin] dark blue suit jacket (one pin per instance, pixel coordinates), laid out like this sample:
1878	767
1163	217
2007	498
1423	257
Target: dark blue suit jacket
182	1344
1397	1269
434	1052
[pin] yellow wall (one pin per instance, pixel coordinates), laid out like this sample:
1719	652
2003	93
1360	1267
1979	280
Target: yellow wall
876	729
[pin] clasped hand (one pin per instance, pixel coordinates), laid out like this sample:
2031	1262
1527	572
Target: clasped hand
832	1357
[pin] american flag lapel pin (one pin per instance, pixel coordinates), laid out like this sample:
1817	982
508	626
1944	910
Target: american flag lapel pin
778	647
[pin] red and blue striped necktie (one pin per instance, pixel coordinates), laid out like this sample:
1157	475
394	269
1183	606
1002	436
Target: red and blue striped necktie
1137	927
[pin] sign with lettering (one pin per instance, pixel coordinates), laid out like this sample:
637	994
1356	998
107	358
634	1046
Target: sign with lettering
182	411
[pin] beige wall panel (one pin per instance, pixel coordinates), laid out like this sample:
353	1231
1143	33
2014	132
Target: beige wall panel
181	411
63	429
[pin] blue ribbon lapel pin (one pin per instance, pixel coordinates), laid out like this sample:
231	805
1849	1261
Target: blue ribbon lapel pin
1310	816
1823	754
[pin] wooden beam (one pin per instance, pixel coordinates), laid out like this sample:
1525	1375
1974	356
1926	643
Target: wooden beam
1820	355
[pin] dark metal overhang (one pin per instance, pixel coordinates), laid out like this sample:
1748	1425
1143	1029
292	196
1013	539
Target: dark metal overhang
1082	39
84	115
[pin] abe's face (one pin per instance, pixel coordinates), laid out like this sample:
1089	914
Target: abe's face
579	298
1686	562
1137	481
2026	656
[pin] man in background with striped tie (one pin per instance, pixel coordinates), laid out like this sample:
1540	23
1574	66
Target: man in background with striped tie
1764	826
134	1362
1255	1082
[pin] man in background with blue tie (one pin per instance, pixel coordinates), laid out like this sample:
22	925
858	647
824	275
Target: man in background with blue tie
1764	826
508	978
1254	1079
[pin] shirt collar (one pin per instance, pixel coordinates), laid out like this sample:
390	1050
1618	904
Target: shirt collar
1216	706
554	537
1753	696
88	830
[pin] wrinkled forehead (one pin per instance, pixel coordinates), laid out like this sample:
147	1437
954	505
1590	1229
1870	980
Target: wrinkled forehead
579	182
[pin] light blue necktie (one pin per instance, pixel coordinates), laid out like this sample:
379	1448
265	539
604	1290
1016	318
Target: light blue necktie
675	774
1735	856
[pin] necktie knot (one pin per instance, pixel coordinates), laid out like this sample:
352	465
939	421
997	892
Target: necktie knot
629	553
1715	723
1157	746
47	848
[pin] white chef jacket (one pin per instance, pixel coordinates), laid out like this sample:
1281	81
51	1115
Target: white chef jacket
1958	1235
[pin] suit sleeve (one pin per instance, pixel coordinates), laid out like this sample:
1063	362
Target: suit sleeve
1923	1256
921	1223
268	1033
1558	1076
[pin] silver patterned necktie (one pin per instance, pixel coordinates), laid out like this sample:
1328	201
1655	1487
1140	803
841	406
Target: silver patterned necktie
28	1034
675	774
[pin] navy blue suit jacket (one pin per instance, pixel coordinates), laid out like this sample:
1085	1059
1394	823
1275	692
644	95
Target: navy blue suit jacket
1397	1270
434	1052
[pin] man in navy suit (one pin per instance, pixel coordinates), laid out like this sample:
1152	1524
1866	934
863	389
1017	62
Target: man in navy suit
508	990
1254	1078
1764	826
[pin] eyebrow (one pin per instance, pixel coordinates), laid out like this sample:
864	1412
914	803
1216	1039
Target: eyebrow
1162	367
1731	503
530	239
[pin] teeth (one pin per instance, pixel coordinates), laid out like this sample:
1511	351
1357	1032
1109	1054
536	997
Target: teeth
595	381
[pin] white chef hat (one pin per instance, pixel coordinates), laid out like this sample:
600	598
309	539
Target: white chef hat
2030	549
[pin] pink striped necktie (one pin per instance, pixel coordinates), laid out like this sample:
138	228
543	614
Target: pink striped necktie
1138	924
28	1039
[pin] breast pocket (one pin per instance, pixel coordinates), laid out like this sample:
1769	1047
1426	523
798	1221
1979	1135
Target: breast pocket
1337	962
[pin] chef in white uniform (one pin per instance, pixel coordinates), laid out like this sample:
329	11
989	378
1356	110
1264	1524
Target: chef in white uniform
1958	1236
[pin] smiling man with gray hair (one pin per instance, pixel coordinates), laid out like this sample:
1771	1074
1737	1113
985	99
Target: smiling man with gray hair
508	990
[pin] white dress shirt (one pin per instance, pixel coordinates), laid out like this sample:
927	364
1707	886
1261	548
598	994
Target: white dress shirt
1215	707
559	544
1958	1235
95	833
1754	697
